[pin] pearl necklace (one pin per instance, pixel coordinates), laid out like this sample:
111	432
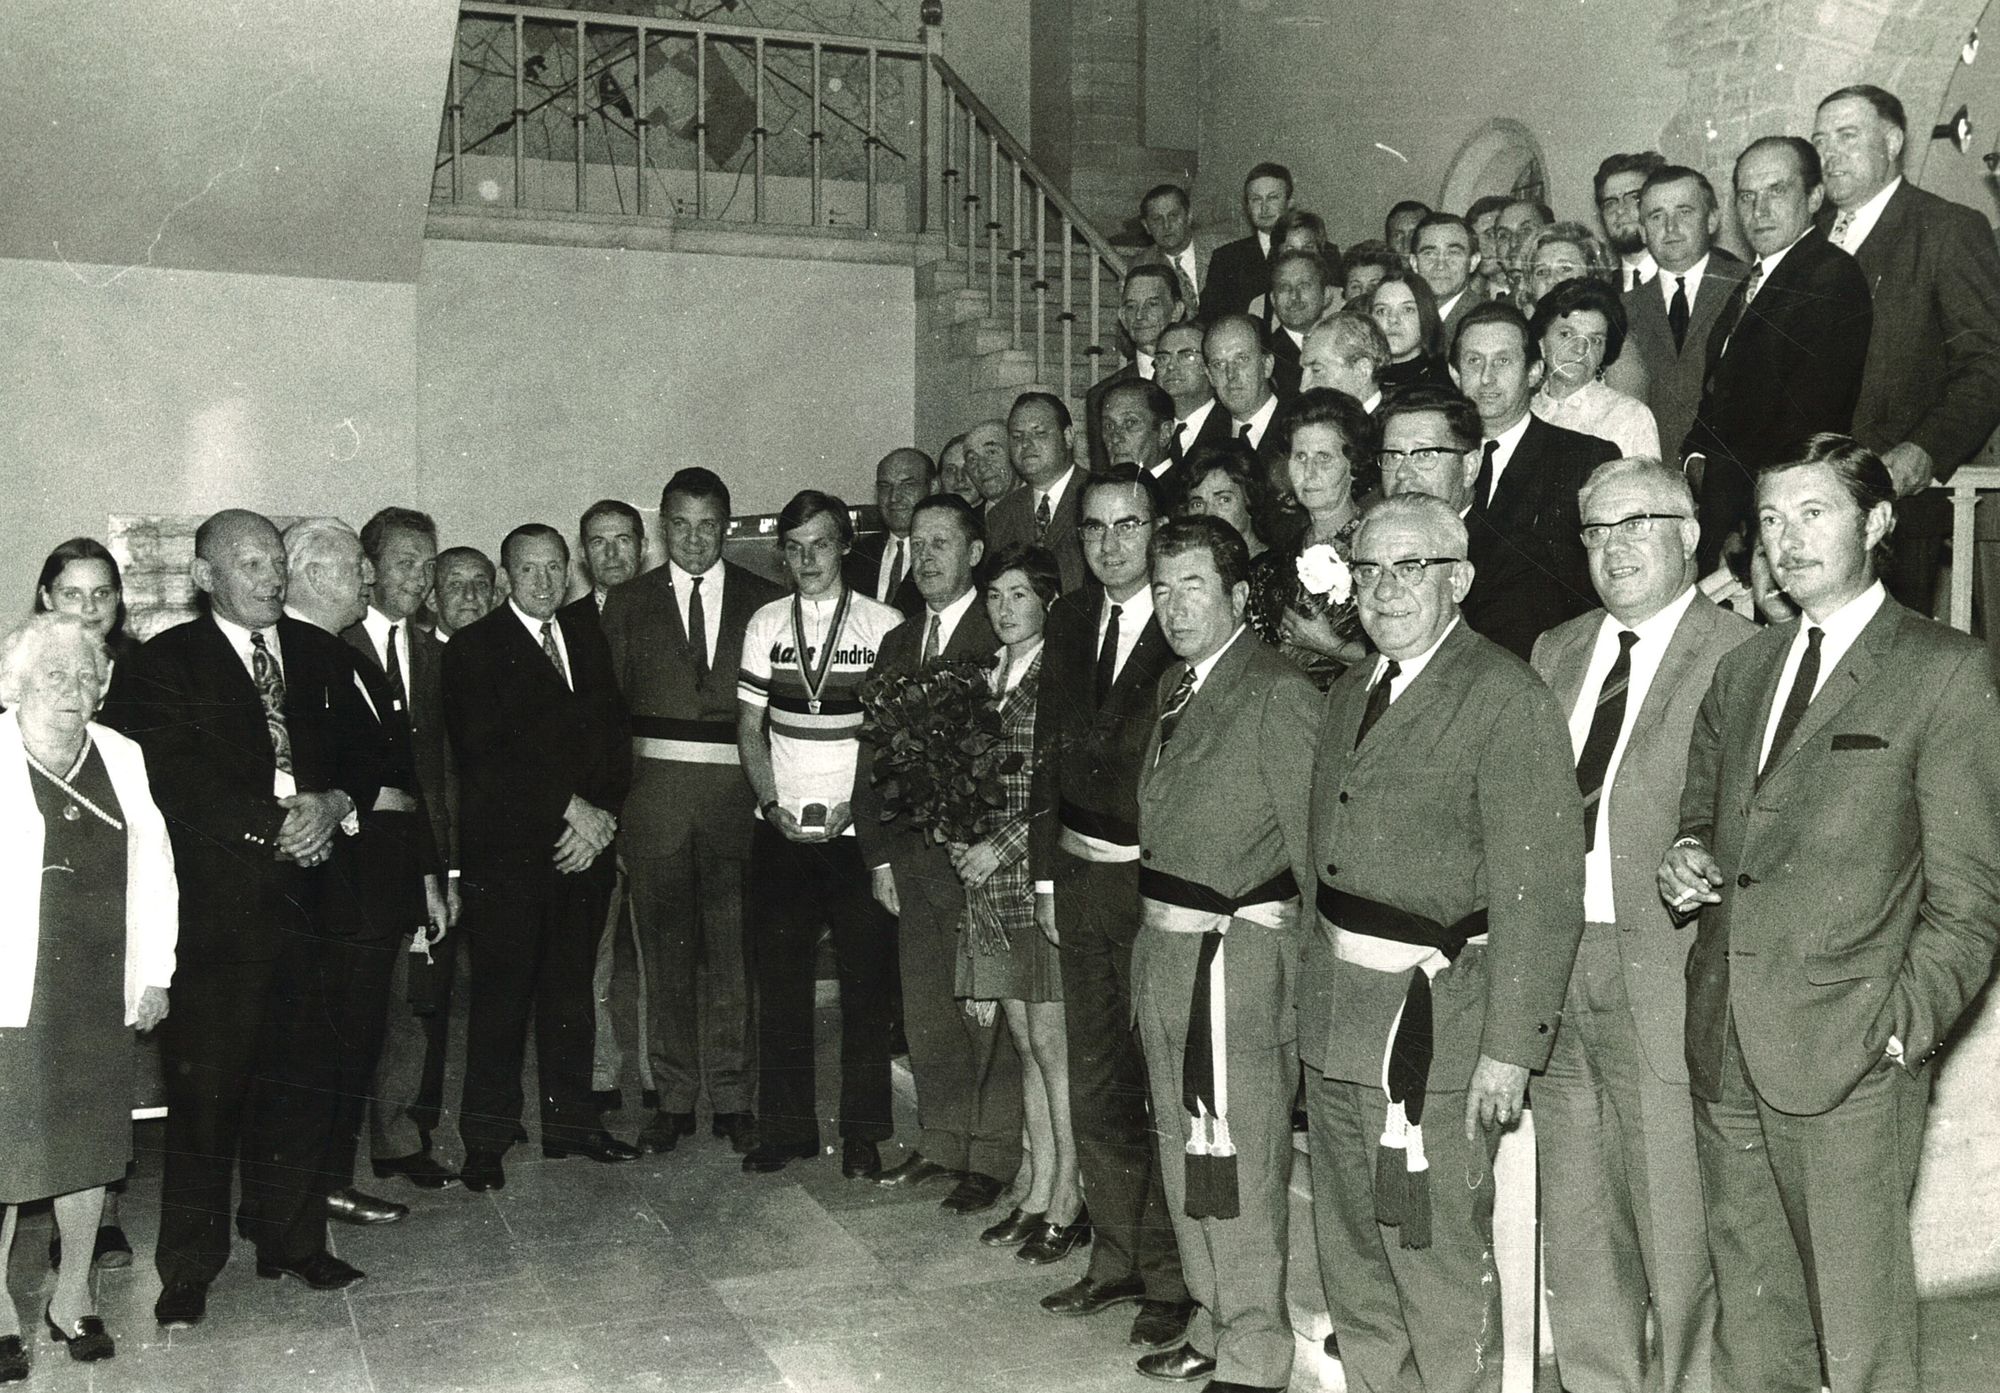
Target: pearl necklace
72	812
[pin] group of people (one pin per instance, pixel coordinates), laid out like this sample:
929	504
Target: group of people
1386	748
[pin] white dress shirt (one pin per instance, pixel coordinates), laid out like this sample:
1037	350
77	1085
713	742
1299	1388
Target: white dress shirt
1184	260
1508	441
1142	362
1642	263
377	625
1690	278
534	628
1133	615
1207	665
1010	673
1770	263
1837	634
1408	668
711	600
1259	421
1191	424
1866	216
947	619
893	548
1445	309
283	784
1054	493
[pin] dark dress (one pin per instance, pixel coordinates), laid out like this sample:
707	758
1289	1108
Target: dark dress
1275	587
66	1077
1424	368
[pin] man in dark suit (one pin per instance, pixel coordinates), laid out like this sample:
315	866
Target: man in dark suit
1150	303
676	637
237	713
1042	510
1102	656
988	462
1786	359
1299	296
613	538
1168	218
408	1096
1930	390
1446	254
1669	317
1617	189
462	591
1449	883
1347	352
878	566
1240	271
544	759
1614	1124
1139	425
968	1076
1838	833
1183	376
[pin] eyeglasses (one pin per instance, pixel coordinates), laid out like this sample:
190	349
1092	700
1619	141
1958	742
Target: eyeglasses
1095	530
1596	534
1424	454
1410	570
1623	200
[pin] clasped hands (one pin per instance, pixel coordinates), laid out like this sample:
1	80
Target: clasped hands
311	819
587	831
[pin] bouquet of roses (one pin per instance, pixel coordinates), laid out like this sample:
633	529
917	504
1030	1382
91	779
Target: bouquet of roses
937	736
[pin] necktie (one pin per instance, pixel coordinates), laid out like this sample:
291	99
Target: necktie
1755	283
1605	723
1677	313
1482	484
1042	517
1243	432
1107	656
270	680
895	574
1176	449
697	628
553	653
1177	702
1796	700
1378	701
931	644
1841	225
394	669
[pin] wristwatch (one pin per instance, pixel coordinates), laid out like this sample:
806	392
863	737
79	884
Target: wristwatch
767	808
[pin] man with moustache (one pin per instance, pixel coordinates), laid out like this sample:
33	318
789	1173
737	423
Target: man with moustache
1448	862
879	566
544	760
1223	797
1102	657
1151	301
1617	188
1240	271
1346	351
967	1075
242	713
464	590
1183	376
1838	841
1042	510
989	464
1621	1227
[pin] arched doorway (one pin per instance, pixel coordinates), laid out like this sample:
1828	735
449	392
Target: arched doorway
1502	156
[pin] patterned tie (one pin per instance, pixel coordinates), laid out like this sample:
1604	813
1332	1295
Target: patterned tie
394	669
1677	313
1378	701
1841	225
1796	700
931	644
1605	723
1482	483
1754	284
1177	703
697	629
1107	656
270	680
553	653
1042	516
888	595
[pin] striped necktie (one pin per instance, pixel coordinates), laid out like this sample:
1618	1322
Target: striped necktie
1605	723
1177	704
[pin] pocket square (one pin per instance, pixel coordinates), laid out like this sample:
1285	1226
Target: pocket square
1859	742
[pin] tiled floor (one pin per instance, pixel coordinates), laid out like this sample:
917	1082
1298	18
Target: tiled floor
674	1273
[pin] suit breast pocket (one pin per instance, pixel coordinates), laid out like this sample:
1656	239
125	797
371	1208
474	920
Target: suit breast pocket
1858	742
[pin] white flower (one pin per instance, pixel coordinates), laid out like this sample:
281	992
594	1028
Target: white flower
1322	572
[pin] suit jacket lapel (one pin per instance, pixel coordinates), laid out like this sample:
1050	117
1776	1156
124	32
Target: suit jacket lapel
1687	639
1425	690
1209	700
1849	675
1571	663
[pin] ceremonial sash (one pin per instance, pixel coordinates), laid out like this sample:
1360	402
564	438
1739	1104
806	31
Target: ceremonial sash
684	742
1090	836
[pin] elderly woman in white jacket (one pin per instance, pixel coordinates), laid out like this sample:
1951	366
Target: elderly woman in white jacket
89	913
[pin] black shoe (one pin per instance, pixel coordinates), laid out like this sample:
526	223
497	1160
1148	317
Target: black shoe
649	1099
321	1272
112	1249
974	1194
607	1099
1181	1364
1160	1324
737	1128
13	1359
419	1169
1223	1385
860	1160
1012	1231
350	1206
1085	1297
88	1342
482	1171
665	1131
766	1158
1331	1344
181	1304
603	1148
1053	1242
915	1170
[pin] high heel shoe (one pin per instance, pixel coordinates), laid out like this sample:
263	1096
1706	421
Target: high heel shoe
1014	1230
88	1343
1052	1242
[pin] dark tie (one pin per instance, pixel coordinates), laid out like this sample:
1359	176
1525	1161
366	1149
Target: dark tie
1378	701
1482	484
895	573
1107	656
1243	431
1177	702
1796	700
270	680
697	629
931	639
1677	313
394	668
553	653
1605	723
1041	517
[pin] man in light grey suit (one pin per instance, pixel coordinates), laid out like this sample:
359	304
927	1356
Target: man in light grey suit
1622	1230
1668	318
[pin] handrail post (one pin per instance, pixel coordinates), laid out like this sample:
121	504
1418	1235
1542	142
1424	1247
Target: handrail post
457	110
520	104
1041	284
971	194
700	124
639	121
579	119
870	141
757	134
1096	348
950	173
817	135
1015	252
993	220
936	102
1068	318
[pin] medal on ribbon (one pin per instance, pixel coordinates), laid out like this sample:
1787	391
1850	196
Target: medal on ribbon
814	674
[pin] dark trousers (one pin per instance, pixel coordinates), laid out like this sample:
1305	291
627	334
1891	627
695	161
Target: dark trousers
796	887
409	1079
322	1034
531	938
1097	919
208	1048
688	907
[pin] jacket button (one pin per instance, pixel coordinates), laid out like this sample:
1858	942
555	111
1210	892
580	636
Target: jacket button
1343	795
1145	855
1744	882
1542	1029
1331	869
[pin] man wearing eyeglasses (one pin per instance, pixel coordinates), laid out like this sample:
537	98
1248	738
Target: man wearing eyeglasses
1623	1233
1617	185
1448	861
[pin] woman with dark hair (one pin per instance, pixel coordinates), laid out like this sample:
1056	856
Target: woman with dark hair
81	577
1312	620
1580	325
1565	251
1403	305
1005	965
1226	482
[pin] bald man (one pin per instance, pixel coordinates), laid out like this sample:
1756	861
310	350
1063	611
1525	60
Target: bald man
1346	351
878	565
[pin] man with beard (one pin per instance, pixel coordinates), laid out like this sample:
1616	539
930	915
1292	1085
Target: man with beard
1617	185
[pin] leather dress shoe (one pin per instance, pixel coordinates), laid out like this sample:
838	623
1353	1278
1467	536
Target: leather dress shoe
860	1160
1086	1296
350	1206
1012	1231
737	1128
87	1341
1223	1385
1181	1364
603	1148
1331	1345
13	1359
1052	1242
767	1158
915	1170
1160	1324
181	1304
482	1171
975	1192
418	1168
322	1271
606	1099
665	1131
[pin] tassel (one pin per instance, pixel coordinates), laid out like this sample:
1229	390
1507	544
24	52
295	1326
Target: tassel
1391	1168
1417	1196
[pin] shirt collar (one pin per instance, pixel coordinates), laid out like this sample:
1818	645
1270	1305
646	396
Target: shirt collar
1143	361
1868	214
530	623
681	577
1408	668
1260	419
951	615
1510	439
1845	624
1770	263
239	636
1264	243
291	613
1054	492
1207	665
1642	262
1656	630
1198	417
1138	608
1665	280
